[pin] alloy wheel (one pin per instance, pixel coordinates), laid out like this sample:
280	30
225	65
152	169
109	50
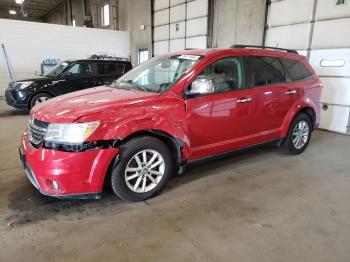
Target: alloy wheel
300	134
144	171
41	100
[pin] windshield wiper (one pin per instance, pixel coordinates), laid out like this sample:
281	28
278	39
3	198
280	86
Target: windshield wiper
132	83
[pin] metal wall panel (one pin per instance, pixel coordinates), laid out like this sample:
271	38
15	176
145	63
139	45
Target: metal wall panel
179	23
290	36
177	30
176	2
327	9
331	34
197	8
325	40
335	118
289	12
237	22
161	17
160	4
161	47
196	27
161	33
196	42
177	44
178	13
333	56
336	91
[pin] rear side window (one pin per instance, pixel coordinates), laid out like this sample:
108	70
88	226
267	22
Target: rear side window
265	70
297	70
110	69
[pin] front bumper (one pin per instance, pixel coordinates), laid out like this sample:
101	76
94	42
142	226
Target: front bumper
68	175
16	99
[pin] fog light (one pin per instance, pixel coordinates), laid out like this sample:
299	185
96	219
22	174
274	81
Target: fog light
55	185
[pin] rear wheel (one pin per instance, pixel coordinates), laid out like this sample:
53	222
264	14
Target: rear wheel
299	135
39	98
144	167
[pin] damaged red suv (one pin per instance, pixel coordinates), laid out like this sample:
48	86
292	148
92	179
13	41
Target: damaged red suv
169	111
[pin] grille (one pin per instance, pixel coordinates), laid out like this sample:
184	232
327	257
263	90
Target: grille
37	130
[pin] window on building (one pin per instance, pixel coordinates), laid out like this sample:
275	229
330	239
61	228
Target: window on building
105	15
143	55
73	22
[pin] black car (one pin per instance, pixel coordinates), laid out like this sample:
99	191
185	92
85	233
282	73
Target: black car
68	76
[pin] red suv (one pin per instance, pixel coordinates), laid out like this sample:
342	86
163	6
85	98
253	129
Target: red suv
169	111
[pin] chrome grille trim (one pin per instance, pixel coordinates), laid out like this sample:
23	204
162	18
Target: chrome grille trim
37	131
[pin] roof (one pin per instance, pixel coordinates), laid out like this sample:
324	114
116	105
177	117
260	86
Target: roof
239	51
97	60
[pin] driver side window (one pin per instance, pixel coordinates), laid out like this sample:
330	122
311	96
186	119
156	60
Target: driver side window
81	69
226	74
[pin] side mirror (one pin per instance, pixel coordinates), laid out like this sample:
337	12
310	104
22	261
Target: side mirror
67	74
200	87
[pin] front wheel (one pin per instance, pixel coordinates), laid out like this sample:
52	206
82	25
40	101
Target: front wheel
299	135
144	166
39	98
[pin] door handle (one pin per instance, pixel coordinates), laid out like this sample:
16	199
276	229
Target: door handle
290	92
244	100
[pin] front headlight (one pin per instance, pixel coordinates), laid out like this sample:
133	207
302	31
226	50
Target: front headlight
21	85
75	133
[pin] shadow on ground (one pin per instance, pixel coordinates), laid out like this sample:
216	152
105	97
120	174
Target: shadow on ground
14	112
29	206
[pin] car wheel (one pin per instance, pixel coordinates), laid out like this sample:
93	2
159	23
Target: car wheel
299	135
144	166
39	98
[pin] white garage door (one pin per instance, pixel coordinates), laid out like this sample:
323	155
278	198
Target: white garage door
179	24
319	29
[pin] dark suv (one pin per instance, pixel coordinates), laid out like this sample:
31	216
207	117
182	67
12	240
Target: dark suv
68	76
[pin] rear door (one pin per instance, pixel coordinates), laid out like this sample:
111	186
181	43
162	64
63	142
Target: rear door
107	72
274	96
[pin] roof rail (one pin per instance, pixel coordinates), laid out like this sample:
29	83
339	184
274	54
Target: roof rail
265	47
105	57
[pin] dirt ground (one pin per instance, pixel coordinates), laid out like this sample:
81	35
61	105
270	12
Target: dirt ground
259	205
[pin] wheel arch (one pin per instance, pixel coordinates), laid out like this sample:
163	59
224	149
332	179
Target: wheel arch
300	107
174	144
39	92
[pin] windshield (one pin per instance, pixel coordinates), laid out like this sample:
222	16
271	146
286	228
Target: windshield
57	70
157	74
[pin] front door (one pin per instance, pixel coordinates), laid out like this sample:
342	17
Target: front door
221	121
78	77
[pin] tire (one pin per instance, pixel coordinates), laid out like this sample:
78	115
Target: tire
291	145
128	167
39	98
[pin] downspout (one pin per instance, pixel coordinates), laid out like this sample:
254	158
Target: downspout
267	5
71	12
152	26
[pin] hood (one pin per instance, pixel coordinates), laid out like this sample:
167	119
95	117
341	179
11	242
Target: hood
69	107
34	79
39	80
